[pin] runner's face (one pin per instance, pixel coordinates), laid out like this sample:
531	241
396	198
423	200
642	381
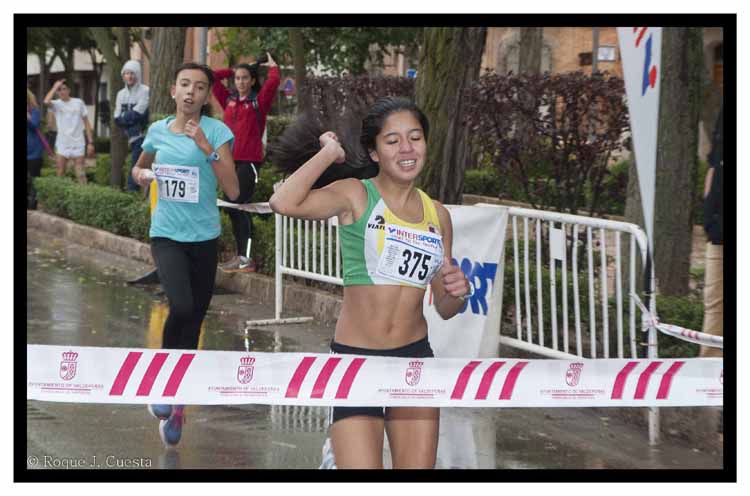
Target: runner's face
243	81
191	91
400	147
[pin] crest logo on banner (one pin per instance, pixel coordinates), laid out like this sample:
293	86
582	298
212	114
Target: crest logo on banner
245	370
68	366
414	372
573	375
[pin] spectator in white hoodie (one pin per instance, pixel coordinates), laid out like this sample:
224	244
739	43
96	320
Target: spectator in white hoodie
131	112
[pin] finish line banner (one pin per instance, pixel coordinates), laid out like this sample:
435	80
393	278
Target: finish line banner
80	374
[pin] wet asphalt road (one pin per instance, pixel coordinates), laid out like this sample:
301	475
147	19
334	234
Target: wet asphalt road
72	304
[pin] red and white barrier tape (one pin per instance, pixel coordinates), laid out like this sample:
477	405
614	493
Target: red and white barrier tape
701	338
121	375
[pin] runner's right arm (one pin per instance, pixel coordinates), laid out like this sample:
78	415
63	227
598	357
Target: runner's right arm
144	163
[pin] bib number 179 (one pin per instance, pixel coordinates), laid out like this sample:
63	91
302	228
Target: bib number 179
174	188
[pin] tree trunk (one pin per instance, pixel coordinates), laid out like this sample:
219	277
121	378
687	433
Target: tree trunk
168	48
69	69
676	159
98	73
42	89
449	62
530	51
297	43
115	59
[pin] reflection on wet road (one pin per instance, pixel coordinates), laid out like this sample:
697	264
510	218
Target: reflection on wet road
73	305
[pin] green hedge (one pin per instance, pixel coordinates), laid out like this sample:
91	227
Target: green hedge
103	170
276	124
125	214
485	182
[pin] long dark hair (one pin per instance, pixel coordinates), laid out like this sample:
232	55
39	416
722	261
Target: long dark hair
299	142
253	70
205	109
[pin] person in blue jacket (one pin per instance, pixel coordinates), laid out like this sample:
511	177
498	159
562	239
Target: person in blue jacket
131	112
33	147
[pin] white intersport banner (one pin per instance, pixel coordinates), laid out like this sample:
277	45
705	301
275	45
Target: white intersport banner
641	64
478	240
80	374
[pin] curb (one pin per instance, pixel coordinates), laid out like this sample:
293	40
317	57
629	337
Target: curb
322	306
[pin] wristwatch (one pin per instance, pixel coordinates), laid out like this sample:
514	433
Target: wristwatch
214	157
470	294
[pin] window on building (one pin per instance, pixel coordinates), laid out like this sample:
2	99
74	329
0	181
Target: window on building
585	58
606	53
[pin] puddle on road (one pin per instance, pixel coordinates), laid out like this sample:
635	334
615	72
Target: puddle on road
70	304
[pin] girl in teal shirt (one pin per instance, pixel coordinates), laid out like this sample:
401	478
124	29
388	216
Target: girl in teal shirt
188	154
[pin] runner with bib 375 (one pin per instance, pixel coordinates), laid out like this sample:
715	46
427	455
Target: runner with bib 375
395	241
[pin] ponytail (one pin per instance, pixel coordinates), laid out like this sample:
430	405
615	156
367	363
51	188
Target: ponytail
300	142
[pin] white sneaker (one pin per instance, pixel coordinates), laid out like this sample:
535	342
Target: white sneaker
238	264
328	460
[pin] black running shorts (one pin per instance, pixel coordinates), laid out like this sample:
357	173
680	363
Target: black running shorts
418	349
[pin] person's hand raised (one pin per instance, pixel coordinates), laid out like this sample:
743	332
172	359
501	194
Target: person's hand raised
329	140
271	62
194	132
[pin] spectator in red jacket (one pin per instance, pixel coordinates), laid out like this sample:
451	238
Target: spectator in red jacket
245	112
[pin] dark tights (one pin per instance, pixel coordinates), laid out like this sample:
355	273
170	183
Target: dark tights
242	223
187	272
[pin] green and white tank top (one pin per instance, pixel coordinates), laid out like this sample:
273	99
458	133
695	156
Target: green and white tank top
380	248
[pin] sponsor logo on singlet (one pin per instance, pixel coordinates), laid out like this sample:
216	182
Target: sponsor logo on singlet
378	224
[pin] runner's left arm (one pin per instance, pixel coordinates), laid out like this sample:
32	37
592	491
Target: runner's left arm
225	172
449	285
268	91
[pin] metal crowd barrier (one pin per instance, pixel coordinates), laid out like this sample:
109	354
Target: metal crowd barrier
587	252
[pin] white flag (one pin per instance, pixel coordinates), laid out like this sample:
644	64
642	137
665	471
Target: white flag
641	62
